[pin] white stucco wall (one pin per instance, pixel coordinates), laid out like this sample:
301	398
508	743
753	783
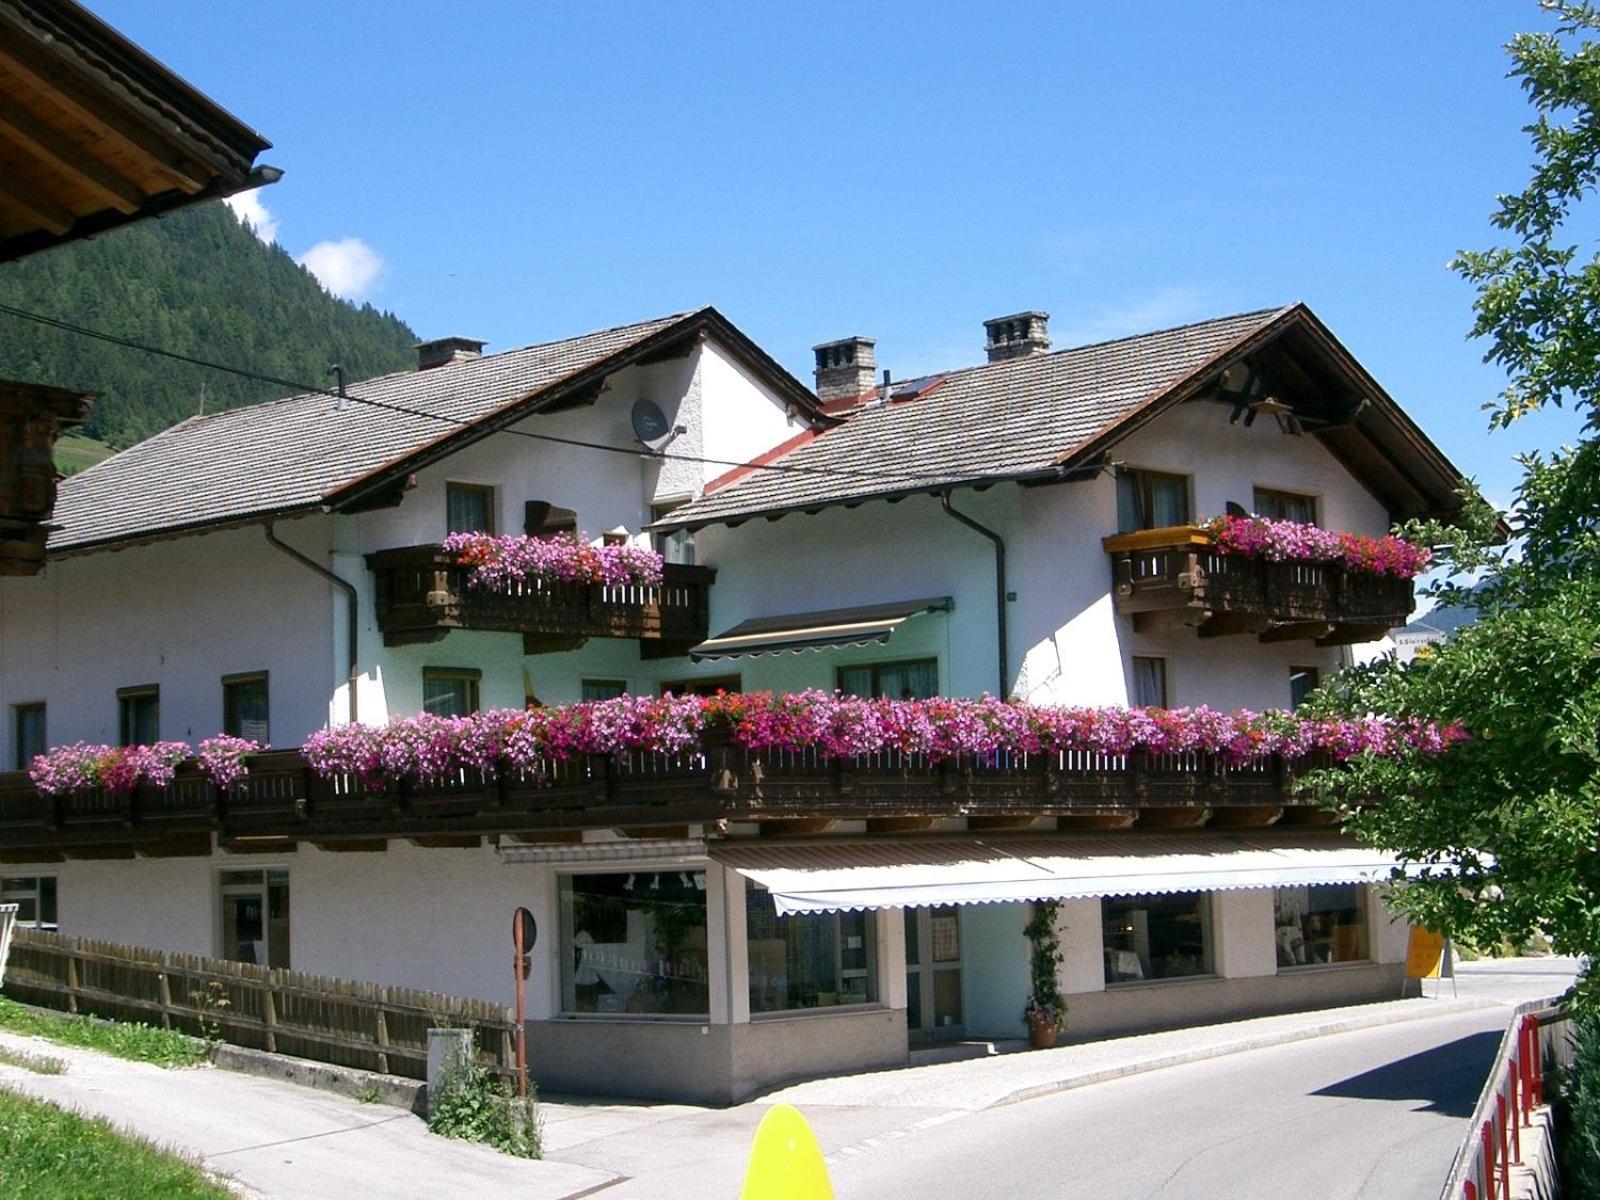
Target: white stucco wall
180	614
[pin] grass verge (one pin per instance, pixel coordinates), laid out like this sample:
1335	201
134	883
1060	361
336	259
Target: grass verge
48	1153
125	1039
39	1064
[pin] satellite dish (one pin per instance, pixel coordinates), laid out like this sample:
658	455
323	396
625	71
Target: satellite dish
650	425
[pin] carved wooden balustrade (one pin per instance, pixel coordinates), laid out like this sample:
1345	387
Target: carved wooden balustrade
422	593
1177	576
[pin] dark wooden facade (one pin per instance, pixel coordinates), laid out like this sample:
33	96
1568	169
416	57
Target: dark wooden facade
1177	576
30	418
284	802
422	594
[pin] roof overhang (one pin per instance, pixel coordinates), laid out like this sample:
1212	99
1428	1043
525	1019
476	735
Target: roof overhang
865	625
95	134
830	877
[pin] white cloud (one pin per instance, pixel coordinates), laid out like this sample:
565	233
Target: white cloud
1163	308
347	267
248	208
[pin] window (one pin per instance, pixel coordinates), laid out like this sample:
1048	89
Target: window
255	916
139	715
808	960
604	689
731	684
1285	506
1302	682
1149	688
916	680
1320	924
469	508
1151	500
635	943
28	737
678	545
35	898
450	691
244	706
1156	937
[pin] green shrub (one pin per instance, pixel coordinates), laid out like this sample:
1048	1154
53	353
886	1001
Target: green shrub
125	1039
1581	1099
479	1107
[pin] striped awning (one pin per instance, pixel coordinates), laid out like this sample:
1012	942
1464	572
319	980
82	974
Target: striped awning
867	625
827	877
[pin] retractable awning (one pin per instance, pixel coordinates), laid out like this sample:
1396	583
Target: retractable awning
827	877
868	625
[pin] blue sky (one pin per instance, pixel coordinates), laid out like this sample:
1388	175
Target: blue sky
523	171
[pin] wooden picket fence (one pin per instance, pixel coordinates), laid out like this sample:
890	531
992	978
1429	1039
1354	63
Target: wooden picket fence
342	1021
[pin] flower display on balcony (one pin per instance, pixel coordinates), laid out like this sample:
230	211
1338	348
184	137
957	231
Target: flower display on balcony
222	758
835	726
1292	541
82	766
502	563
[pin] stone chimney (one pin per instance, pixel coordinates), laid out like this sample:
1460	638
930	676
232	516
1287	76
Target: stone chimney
1017	336
846	369
441	352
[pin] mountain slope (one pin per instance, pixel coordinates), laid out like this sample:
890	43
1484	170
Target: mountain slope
198	283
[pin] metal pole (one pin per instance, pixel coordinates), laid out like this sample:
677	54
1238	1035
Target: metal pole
522	1024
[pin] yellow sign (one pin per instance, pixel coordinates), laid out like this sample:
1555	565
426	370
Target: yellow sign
785	1161
1424	954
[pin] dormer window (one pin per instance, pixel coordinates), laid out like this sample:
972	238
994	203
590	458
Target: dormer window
469	508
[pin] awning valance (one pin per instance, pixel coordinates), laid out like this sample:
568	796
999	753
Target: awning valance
826	877
867	625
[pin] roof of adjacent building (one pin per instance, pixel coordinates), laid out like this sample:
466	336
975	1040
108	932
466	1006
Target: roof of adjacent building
1046	416
313	450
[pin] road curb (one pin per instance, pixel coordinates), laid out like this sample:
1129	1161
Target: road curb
1280	1037
350	1082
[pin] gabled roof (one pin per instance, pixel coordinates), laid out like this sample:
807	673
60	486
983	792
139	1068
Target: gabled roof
94	133
309	452
1046	417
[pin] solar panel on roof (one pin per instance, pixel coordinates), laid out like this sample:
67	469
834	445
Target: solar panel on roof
912	388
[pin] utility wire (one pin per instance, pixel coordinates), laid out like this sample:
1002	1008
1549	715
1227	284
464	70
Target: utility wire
459	422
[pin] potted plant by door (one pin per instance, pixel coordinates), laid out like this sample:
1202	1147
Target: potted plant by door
1046	1012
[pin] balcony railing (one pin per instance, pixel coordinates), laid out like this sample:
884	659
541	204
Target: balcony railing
422	594
1177	576
282	798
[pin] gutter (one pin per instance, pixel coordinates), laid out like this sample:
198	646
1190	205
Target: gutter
999	587
352	607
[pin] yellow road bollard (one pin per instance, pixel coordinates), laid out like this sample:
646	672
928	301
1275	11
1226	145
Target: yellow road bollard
785	1161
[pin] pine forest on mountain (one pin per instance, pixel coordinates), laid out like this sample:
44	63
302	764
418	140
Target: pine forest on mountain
198	283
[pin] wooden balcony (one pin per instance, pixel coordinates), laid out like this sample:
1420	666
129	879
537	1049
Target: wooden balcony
1177	577
283	802
422	594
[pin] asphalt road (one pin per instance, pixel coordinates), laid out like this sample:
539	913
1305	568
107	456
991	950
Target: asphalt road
1375	1114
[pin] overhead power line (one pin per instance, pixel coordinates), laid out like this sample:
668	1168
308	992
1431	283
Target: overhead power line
297	387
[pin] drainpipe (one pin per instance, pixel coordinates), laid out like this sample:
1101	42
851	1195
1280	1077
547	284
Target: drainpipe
352	607
999	586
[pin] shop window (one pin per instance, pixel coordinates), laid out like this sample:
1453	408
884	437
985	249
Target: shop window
139	715
469	508
808	960
635	943
604	689
1320	924
1285	506
35	898
28	735
255	916
732	684
676	546
1156	937
244	707
450	691
915	680
1302	682
1149	682
1151	500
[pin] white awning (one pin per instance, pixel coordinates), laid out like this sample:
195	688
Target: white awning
826	877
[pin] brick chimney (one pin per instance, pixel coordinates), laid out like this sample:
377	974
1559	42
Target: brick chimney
846	369
441	352
1017	336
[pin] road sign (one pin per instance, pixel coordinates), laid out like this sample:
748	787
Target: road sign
524	930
